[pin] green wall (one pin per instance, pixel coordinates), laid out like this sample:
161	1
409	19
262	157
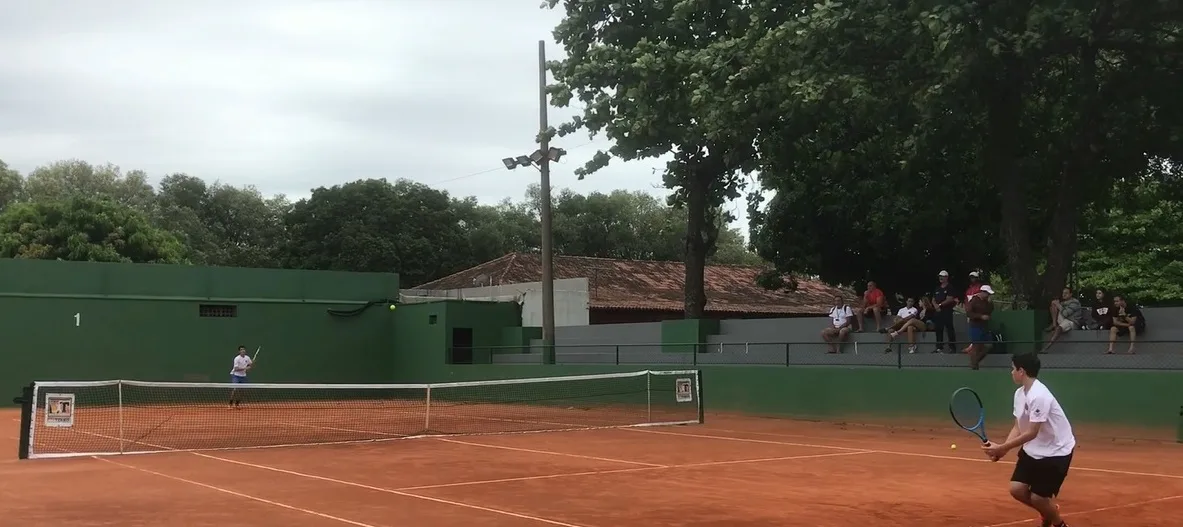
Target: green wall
140	321
1146	405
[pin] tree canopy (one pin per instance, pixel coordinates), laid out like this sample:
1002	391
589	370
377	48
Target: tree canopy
366	225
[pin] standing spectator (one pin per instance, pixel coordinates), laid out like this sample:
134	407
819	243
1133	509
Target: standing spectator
907	320
975	285
1066	316
945	299
978	309
874	303
1127	320
839	329
1102	312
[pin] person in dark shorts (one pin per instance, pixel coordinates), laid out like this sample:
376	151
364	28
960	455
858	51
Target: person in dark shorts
1045	441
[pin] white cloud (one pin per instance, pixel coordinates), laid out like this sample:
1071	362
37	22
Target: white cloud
288	95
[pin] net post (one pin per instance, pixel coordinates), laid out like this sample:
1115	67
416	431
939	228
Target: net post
701	406
27	400
427	410
649	397
787	346
119	389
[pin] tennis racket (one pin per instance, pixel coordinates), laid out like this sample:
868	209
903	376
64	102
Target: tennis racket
256	355
966	408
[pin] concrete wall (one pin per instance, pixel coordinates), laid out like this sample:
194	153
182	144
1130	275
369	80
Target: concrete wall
796	341
571	298
1147	406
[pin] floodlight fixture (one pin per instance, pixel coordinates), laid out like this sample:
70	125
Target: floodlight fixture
510	163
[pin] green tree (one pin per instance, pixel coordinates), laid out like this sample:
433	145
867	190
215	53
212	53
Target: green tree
637	68
885	128
374	225
12	185
224	225
84	229
1136	246
64	180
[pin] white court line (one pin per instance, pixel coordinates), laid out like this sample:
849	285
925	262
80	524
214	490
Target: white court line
236	494
625	470
896	453
239	494
1090	511
550	453
390	491
359	485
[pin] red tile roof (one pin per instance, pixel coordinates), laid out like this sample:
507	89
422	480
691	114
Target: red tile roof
633	284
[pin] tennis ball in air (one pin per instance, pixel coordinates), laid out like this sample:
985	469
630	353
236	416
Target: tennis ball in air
392	307
953	447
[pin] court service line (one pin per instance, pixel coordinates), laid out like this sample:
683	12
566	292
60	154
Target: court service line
897	453
360	485
550	453
390	491
1090	511
626	470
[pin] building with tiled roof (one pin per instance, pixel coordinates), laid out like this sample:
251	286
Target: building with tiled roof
621	291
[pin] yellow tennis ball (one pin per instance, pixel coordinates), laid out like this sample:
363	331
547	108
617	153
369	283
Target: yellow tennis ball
392	307
953	447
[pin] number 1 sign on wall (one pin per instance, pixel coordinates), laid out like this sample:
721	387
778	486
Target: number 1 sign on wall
77	319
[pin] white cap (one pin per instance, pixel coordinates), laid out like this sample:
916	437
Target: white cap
987	289
973	274
943	273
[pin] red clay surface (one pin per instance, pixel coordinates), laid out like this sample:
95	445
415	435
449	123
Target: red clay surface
731	472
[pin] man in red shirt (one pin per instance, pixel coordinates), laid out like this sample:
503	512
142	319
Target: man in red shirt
975	285
874	303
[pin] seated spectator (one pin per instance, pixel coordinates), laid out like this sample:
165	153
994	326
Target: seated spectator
907	320
874	303
928	314
1127	320
1066	316
1101	314
839	329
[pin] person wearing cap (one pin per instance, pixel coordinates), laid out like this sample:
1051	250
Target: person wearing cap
978	309
975	284
945	299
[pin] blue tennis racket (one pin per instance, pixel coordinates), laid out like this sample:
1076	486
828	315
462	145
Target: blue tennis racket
966	408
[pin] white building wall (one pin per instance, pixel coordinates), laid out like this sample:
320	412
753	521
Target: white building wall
571	298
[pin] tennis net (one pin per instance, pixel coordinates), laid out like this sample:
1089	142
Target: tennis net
86	418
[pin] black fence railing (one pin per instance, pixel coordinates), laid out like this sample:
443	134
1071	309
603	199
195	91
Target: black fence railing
1076	354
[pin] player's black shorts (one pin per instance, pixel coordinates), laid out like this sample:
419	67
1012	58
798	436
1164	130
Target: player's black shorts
1044	476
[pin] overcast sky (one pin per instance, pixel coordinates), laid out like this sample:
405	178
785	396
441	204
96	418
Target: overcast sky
288	95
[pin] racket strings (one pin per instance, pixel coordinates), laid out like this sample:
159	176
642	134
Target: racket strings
966	409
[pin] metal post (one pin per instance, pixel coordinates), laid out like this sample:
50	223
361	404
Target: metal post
787	346
548	284
618	354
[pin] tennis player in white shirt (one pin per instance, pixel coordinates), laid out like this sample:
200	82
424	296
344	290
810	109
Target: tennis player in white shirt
1045	441
242	365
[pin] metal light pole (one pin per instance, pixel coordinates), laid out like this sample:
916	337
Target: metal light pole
548	284
543	157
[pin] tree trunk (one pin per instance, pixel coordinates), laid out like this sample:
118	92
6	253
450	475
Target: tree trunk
1004	100
697	239
1081	157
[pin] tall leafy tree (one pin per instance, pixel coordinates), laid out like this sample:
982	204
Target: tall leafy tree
1135	247
64	180
374	225
12	185
920	135
224	225
84	229
637	69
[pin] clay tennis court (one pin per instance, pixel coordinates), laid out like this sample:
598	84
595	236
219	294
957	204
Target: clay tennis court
731	471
